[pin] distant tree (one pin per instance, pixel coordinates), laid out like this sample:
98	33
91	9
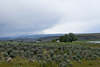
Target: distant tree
64	38
72	37
68	38
61	39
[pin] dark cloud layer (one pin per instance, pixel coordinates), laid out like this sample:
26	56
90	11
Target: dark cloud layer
26	16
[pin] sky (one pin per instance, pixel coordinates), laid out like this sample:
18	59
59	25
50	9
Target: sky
21	17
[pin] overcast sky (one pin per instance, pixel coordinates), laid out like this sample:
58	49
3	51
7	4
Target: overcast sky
18	17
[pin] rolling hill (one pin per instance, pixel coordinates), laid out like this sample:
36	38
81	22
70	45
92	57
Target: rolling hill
50	37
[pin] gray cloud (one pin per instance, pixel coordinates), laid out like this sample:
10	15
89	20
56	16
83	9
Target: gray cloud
48	16
23	17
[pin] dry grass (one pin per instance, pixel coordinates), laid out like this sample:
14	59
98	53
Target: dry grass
25	63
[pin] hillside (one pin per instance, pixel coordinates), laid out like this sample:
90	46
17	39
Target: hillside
50	37
87	36
28	38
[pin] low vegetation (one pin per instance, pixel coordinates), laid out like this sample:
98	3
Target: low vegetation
21	54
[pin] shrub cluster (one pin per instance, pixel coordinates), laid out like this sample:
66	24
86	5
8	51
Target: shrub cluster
60	54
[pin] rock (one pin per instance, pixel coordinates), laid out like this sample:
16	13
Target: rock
9	59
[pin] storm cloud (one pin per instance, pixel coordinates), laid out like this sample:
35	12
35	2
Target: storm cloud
48	16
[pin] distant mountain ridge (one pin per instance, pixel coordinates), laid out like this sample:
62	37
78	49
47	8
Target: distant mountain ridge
30	36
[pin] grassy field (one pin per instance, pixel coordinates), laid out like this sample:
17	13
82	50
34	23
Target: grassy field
93	63
19	62
50	49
